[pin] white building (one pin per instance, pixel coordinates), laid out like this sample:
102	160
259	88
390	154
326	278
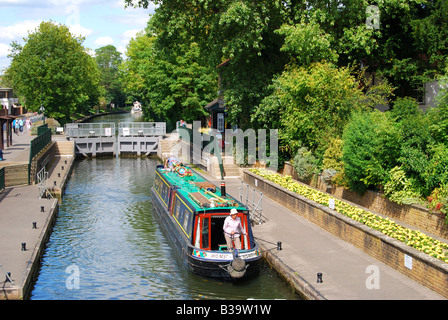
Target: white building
7	99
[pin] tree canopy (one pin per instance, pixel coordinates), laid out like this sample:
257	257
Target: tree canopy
109	61
402	41
54	70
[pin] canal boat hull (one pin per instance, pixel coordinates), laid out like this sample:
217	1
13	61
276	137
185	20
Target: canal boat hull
222	264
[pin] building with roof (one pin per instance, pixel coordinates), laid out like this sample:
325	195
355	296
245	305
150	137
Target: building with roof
7	99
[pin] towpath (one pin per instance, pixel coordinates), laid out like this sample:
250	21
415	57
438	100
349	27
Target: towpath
25	223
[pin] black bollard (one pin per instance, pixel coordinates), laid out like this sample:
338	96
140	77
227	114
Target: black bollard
42	209
23	246
55	183
62	168
59	174
34	225
319	278
223	189
279	245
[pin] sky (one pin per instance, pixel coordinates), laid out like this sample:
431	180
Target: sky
101	22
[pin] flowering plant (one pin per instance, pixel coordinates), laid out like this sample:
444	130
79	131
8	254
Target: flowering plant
438	200
413	238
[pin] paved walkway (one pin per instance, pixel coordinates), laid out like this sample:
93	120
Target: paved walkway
19	208
19	151
307	250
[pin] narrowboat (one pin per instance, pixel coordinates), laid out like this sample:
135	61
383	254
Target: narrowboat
193	210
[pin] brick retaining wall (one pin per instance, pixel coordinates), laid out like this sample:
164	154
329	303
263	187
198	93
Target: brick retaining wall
16	175
426	270
416	215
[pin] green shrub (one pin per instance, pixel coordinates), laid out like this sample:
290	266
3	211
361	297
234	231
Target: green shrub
333	155
370	149
436	173
400	189
305	164
50	122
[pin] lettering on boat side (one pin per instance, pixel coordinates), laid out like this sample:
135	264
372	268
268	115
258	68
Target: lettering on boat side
224	255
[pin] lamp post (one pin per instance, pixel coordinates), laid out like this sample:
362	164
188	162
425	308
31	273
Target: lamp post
42	110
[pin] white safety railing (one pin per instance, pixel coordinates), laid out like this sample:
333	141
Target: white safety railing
101	129
42	177
141	129
253	199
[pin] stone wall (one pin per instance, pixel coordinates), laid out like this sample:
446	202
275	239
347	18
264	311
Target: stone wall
420	267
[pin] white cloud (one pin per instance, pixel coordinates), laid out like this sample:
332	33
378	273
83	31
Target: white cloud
79	30
4	50
129	34
104	41
13	2
18	30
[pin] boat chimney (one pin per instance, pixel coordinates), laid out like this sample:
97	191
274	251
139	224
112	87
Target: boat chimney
223	189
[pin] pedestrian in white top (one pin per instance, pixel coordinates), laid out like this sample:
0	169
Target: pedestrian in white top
28	125
232	229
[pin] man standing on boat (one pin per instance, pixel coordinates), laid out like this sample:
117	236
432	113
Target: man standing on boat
232	228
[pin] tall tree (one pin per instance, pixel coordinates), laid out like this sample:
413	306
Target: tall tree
311	105
403	40
171	84
109	60
240	31
54	70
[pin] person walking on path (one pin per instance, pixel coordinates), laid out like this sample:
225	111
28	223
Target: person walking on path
21	125
28	125
16	126
232	227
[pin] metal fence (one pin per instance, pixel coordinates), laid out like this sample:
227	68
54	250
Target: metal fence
141	129
40	142
136	129
101	129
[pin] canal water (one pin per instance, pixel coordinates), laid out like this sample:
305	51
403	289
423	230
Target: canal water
108	244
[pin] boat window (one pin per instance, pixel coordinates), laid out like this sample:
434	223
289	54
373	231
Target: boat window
176	209
182	210
164	192
187	222
205	233
183	216
156	182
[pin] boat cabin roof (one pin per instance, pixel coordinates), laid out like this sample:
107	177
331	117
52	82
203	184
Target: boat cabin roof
201	193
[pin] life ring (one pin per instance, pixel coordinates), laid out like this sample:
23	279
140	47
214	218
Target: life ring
182	171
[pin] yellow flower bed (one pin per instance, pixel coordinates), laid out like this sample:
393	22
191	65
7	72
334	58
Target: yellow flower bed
413	238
